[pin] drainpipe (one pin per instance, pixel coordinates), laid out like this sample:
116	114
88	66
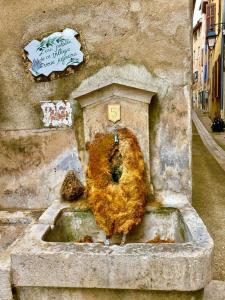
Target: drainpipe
222	63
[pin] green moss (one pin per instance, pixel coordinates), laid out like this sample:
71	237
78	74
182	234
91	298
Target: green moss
165	210
67	229
182	232
69	234
83	215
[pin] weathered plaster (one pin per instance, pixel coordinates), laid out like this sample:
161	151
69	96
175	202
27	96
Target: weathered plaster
33	166
155	34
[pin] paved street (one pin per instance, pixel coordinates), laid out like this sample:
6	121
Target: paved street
219	137
208	103
209	199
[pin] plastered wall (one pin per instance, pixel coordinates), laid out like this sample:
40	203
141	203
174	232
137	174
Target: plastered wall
153	34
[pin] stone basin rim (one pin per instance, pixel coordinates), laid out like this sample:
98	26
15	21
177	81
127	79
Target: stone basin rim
164	211
184	266
193	223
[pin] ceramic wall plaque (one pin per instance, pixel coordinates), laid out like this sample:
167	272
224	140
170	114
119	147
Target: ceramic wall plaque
54	53
56	113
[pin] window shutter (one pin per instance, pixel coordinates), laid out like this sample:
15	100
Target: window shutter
210	16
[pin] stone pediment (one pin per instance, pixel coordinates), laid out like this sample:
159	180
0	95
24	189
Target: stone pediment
131	82
112	90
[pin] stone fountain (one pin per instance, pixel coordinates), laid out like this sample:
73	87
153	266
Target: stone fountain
169	252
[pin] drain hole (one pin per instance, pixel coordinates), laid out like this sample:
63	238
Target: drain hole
116	166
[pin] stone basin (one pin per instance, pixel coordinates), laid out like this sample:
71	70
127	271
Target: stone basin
163	225
12	227
50	256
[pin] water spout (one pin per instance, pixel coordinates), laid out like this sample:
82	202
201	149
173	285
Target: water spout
107	241
123	240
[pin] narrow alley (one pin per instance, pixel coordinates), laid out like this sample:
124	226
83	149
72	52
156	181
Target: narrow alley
209	199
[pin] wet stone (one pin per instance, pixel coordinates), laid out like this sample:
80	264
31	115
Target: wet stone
116	165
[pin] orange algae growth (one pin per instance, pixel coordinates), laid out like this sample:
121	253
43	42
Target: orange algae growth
155	204
158	240
116	182
86	239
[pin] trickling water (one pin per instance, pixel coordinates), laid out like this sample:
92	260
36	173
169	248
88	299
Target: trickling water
107	241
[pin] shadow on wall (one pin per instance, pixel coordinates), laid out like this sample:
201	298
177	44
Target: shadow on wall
154	117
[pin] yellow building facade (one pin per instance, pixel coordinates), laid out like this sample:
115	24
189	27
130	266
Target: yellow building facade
208	67
215	58
197	65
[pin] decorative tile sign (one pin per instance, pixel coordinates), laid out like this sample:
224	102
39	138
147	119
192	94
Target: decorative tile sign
56	113
54	53
114	112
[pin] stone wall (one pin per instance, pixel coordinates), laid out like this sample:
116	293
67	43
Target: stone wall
155	34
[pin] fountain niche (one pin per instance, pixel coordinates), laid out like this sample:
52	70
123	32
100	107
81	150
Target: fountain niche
168	249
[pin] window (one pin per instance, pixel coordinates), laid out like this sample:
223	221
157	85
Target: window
195	76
